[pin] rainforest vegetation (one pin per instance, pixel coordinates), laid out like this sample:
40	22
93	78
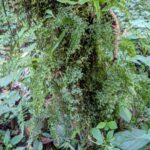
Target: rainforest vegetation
74	74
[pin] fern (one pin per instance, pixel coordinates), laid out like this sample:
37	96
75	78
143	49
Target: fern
73	83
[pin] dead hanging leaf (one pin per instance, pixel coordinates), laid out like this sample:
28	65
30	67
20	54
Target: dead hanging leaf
27	132
13	124
117	34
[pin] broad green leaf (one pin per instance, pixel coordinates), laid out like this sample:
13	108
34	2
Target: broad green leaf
125	113
7	137
12	98
60	130
81	2
143	59
147	111
97	135
49	14
20	148
6	80
139	59
101	125
5	109
131	140
1	148
68	2
112	125
37	145
110	135
140	23
15	140
3	95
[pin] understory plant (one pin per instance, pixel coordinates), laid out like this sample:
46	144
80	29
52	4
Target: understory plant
67	65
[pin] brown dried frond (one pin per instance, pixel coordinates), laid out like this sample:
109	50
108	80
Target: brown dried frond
117	35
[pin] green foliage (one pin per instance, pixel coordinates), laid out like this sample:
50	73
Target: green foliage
127	139
124	140
37	145
125	113
67	47
128	46
104	135
107	125
97	135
